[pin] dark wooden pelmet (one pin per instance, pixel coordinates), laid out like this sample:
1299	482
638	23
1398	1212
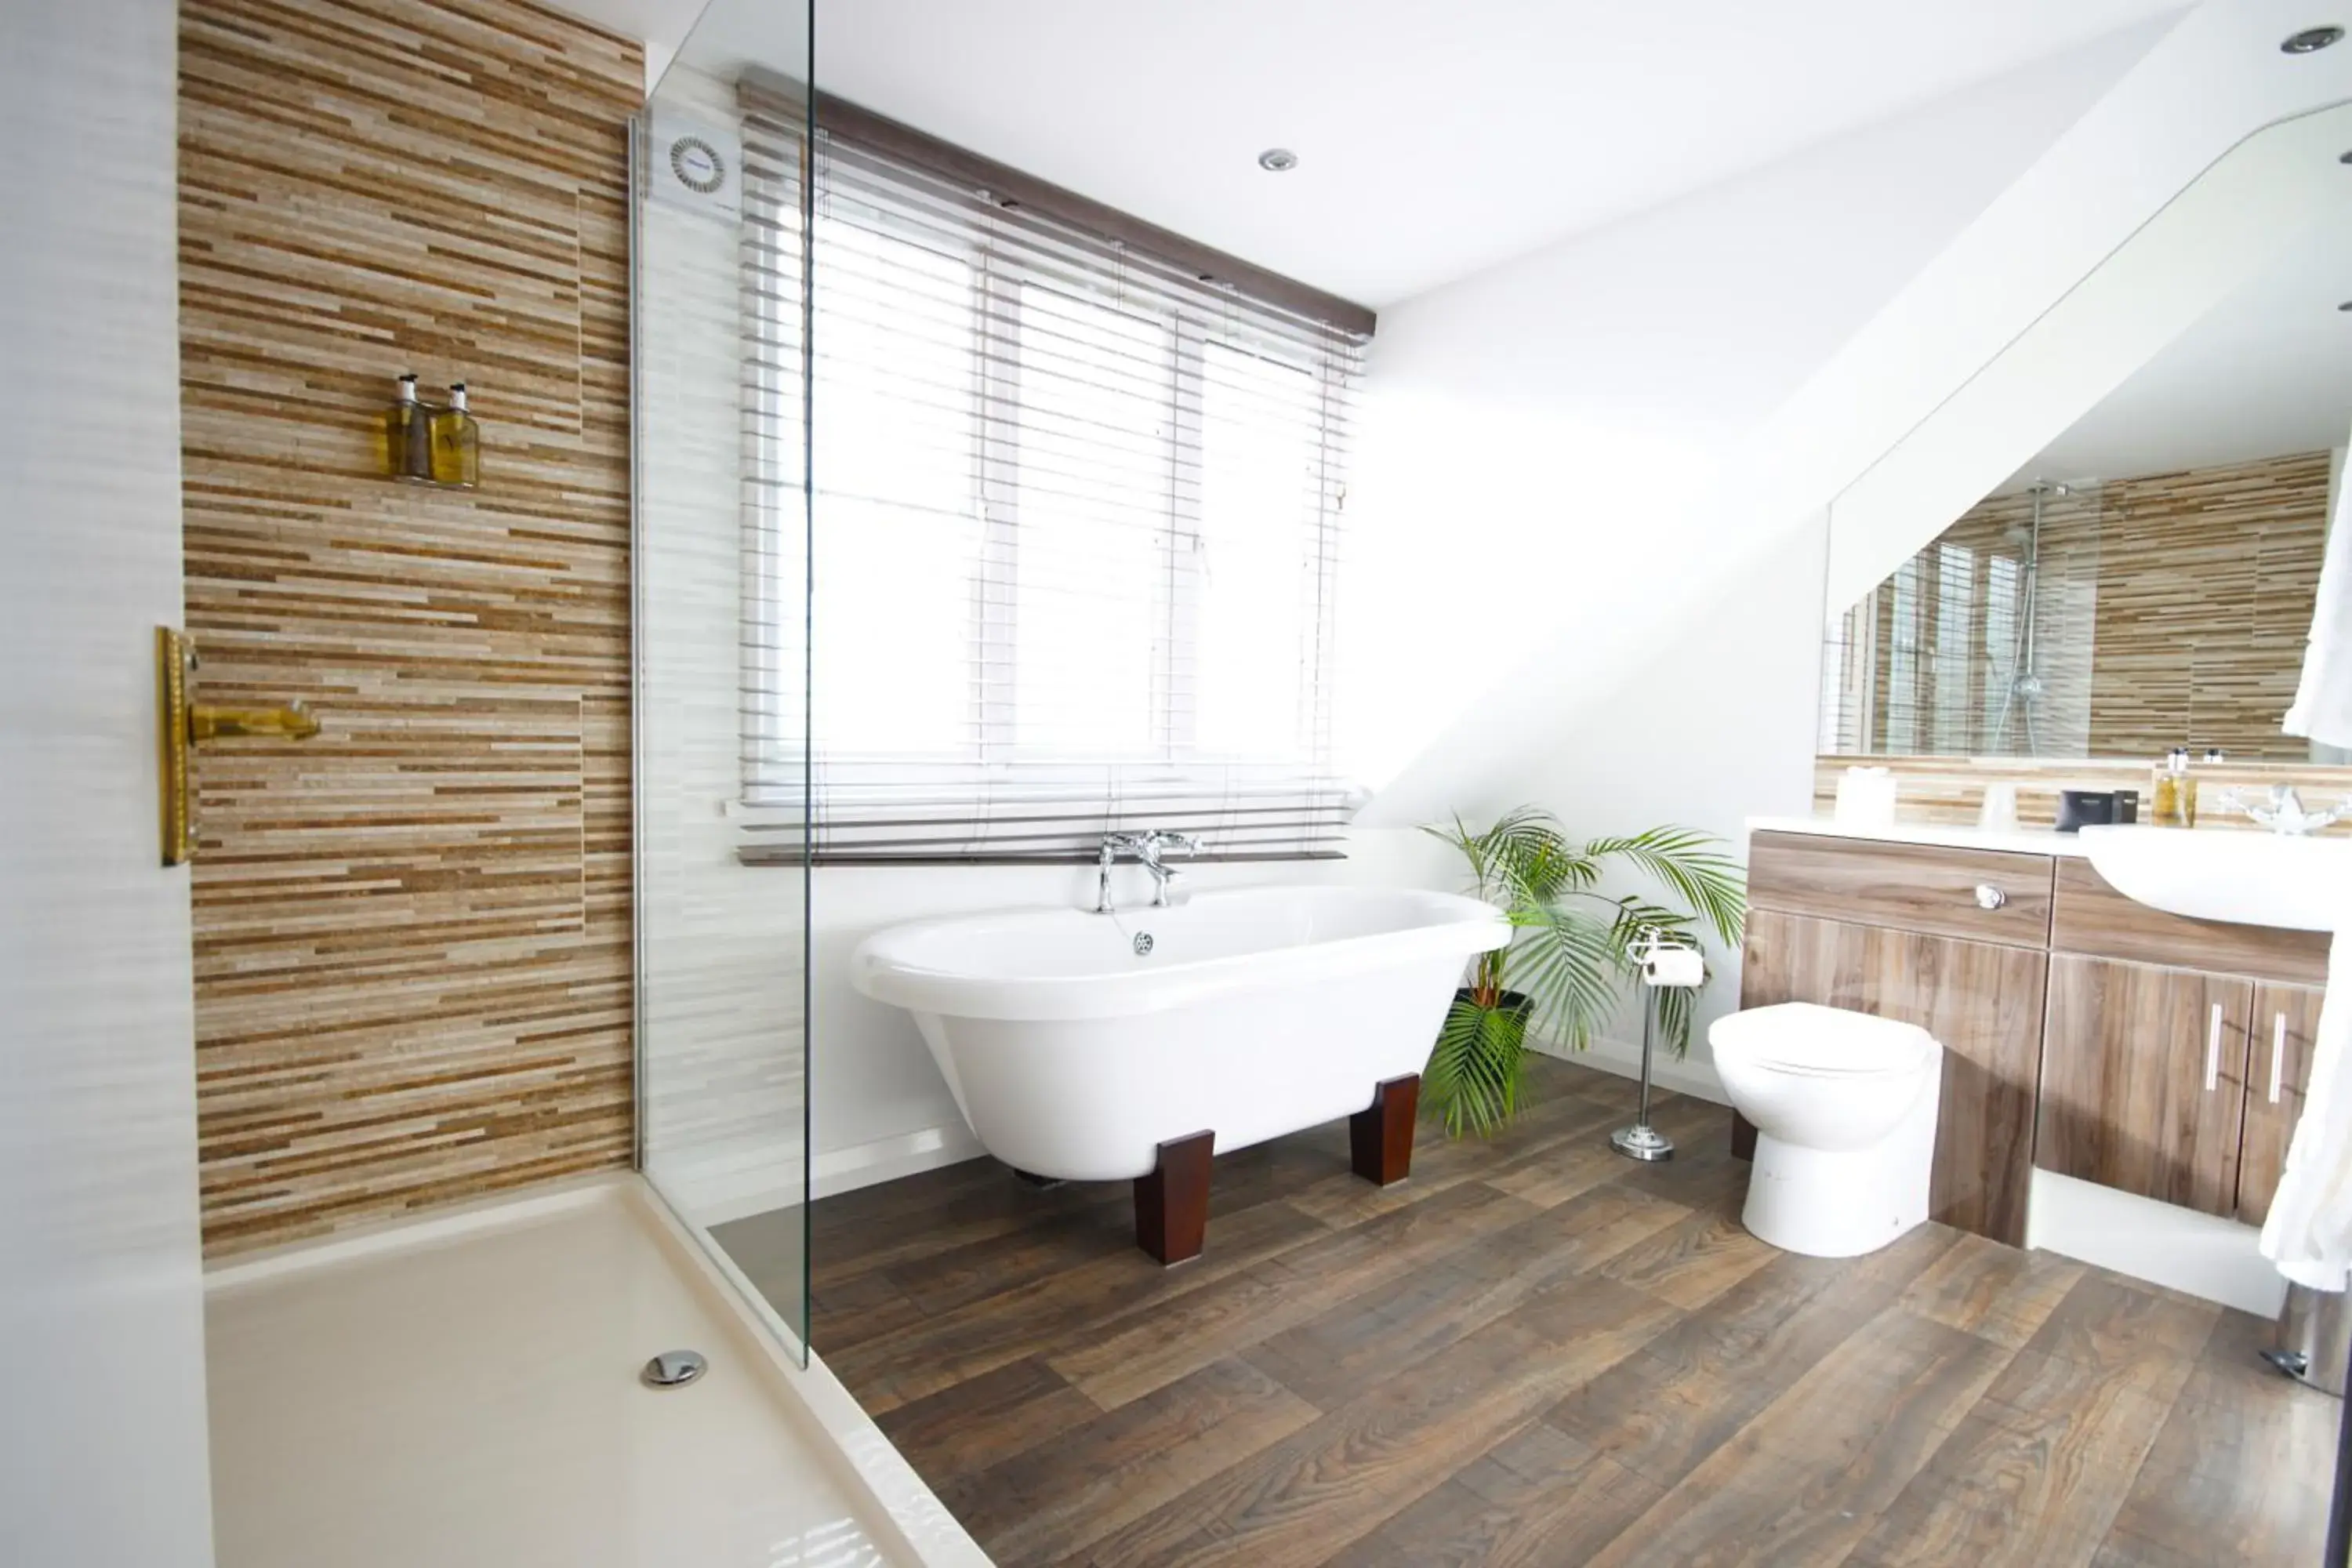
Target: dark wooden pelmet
764	93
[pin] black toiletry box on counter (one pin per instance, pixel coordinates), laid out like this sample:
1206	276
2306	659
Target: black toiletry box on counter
2081	809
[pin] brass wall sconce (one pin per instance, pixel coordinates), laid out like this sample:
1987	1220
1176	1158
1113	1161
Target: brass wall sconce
183	722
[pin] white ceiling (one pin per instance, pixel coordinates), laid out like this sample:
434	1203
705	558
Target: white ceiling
661	24
2267	373
1438	140
1435	139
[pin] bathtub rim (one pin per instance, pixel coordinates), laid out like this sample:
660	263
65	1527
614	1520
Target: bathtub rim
1478	927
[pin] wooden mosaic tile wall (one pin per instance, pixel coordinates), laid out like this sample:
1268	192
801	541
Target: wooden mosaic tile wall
413	960
2207	580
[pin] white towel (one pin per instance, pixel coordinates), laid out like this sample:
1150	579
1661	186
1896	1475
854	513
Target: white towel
2323	698
2309	1233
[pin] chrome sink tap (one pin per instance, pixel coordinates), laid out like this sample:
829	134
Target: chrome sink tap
1145	850
2285	812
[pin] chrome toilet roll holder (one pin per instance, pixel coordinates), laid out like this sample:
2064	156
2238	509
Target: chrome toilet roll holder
1641	1141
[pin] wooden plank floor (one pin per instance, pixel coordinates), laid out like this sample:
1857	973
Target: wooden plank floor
1537	1352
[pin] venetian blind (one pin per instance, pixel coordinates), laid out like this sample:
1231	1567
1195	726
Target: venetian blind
1077	535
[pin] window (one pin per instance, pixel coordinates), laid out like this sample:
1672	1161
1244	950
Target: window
1954	592
1903	642
2004	589
1076	532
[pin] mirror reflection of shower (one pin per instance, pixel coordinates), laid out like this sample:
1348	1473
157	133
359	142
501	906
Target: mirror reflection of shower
1981	644
2022	688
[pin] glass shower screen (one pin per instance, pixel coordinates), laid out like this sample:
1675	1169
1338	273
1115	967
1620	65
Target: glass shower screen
721	402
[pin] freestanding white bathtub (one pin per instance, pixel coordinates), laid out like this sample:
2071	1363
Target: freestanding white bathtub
1078	1044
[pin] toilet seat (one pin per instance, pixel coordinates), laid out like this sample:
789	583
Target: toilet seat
1803	1040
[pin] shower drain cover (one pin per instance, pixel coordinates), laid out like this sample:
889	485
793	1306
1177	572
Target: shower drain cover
674	1369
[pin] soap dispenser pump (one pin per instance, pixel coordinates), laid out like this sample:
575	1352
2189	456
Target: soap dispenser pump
456	443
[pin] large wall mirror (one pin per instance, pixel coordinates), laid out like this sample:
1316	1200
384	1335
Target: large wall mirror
2145	579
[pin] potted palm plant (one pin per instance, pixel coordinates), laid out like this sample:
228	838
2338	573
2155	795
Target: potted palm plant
1567	960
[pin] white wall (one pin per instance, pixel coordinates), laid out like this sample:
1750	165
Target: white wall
102	1441
1563	425
1537	431
1655	419
1603	470
1542	443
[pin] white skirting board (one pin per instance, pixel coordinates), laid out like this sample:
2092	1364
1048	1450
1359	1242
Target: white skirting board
2203	1255
837	1171
887	1159
867	1164
715	1190
1685	1075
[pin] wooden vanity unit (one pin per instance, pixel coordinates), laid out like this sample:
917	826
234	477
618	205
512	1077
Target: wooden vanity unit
2083	1032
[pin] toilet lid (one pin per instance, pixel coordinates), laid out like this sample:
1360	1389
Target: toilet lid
1801	1036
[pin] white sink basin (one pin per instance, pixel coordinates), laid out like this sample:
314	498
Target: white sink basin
2227	874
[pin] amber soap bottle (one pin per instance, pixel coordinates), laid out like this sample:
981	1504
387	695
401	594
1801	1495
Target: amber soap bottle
2166	809
456	443
407	453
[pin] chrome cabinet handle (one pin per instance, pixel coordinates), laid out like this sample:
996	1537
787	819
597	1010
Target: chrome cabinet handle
2214	1051
1989	896
2278	1054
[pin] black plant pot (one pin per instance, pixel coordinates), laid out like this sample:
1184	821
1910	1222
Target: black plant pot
1503	1049
1518	1003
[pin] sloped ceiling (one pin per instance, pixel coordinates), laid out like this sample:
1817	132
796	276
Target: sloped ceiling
2268	373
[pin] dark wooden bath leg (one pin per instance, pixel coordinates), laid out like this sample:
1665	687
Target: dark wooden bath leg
1172	1204
1380	1138
1743	1137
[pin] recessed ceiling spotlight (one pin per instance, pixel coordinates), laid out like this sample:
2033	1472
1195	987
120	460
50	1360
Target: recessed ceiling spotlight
2311	40
1277	160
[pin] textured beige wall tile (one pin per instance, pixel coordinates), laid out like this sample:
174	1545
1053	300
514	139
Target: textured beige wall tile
413	967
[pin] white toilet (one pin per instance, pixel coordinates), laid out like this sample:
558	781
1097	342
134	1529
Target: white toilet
1844	1108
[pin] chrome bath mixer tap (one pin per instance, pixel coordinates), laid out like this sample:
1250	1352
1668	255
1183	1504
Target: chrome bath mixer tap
1145	850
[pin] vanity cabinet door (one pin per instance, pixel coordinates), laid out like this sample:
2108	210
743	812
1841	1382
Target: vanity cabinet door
2143	1079
2278	1070
1982	1001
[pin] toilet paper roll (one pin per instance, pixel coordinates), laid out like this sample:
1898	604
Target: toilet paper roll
1674	966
